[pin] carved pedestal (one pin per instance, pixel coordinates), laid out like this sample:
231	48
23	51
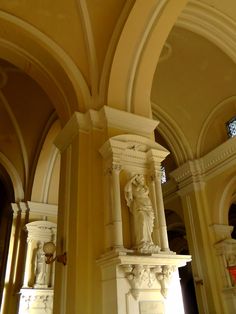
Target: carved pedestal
139	272
36	301
36	296
141	284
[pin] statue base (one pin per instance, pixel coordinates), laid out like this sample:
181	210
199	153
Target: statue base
137	283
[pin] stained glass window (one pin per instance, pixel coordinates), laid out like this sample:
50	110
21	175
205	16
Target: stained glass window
231	127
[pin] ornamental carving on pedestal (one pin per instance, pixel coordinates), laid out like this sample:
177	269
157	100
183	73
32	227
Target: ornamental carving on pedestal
145	277
33	301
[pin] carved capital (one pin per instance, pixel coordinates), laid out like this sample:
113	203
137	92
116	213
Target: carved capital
115	167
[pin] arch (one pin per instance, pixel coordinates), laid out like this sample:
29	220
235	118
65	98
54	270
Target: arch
227	198
207	21
46	161
18	132
15	178
134	61
212	118
173	135
46	62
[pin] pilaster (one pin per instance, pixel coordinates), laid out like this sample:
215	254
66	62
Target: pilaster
16	258
192	180
92	206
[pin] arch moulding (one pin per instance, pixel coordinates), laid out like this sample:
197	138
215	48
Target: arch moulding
47	63
14	176
137	54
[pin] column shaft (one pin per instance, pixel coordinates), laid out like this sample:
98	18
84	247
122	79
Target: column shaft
116	210
161	214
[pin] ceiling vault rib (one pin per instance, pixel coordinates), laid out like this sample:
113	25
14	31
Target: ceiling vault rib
19	136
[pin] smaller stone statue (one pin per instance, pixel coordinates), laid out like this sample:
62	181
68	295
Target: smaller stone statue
141	209
40	268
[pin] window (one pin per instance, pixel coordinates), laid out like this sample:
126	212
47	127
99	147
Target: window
231	127
163	174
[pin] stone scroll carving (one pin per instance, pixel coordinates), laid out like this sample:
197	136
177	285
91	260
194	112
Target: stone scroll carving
141	209
143	277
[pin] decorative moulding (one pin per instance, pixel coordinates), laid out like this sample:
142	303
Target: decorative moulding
36	301
129	258
143	271
41	230
209	165
218	27
143	277
128	121
43	209
222	232
133	150
105	117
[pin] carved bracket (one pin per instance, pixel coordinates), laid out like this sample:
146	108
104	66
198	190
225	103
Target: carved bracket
146	277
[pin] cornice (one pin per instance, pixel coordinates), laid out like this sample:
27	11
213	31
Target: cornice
43	209
133	151
207	166
106	117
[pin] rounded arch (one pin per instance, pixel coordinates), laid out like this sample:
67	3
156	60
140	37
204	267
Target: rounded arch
14	176
173	135
227	198
47	168
206	21
215	122
134	61
46	62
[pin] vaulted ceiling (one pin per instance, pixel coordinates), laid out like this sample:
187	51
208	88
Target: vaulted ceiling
193	91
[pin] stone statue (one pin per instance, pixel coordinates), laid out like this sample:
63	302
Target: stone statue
141	209
40	268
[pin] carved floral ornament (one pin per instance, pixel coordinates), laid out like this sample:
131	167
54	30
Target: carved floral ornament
143	277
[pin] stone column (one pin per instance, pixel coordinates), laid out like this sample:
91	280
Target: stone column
28	261
161	212
116	207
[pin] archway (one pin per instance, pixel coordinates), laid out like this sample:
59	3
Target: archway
46	62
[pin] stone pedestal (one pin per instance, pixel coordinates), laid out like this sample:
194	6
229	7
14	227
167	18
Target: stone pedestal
139	276
141	284
36	296
36	301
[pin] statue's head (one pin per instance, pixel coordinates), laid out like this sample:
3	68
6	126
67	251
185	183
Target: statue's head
140	179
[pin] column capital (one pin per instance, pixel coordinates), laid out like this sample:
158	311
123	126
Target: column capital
41	231
115	167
